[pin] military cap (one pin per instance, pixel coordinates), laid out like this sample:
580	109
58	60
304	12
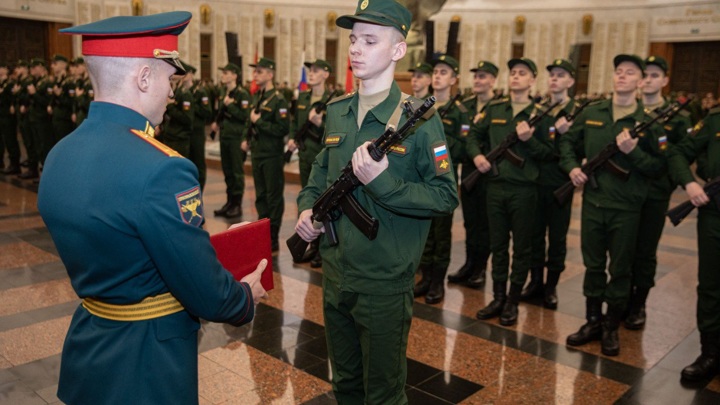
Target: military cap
59	58
319	63
231	67
422	67
448	60
657	61
151	36
524	61
563	64
629	58
265	63
21	63
485	66
388	13
37	62
78	61
188	68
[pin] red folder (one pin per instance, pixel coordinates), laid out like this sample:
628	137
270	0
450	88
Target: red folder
240	250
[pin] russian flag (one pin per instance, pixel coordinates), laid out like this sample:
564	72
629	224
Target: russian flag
302	86
440	152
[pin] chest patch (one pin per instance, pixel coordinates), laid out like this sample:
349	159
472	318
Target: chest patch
399	149
442	159
332	140
594	123
498	121
283	112
190	206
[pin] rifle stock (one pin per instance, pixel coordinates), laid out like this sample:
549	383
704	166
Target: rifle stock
678	213
302	133
252	131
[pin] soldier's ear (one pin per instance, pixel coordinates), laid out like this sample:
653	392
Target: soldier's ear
399	51
143	78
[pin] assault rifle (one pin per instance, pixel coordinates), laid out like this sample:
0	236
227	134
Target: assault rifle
602	159
338	198
677	214
305	130
503	151
447	107
252	134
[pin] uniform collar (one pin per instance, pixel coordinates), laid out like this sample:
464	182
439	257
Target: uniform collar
382	111
117	114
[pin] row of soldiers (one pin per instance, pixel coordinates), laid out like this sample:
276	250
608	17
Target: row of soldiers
43	106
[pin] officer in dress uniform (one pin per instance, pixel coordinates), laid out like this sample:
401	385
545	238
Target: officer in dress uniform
39	120
22	105
367	285
129	233
474	202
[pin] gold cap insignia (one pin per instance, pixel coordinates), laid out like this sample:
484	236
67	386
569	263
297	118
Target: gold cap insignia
651	59
558	61
481	64
442	57
364	4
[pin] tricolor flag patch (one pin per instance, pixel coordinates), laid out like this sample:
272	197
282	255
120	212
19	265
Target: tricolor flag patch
662	142
442	159
205	100
551	133
464	130
244	104
186	106
283	112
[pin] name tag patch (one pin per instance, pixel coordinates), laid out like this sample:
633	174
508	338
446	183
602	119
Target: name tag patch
594	123
399	149
442	160
190	206
332	140
498	121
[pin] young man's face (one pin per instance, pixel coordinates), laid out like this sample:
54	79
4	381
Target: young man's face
317	75
654	80
559	80
443	77
483	82
262	76
372	49
521	78
420	81
58	67
627	78
227	77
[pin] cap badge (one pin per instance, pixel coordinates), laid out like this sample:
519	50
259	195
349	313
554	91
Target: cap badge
558	61
364	4
651	59
481	64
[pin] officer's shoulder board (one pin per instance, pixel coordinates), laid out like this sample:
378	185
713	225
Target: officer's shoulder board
168	151
341	98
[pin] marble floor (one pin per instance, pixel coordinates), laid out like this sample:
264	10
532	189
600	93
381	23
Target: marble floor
281	357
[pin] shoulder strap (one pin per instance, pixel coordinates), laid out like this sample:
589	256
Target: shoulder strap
394	120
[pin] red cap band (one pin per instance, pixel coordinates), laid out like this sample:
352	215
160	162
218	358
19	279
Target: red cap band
127	46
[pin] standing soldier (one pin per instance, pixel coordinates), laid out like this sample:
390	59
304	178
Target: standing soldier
421	80
233	113
202	113
269	123
474	202
8	122
704	139
310	142
22	105
512	194
456	124
178	123
62	101
652	215
84	92
611	212
40	92
550	217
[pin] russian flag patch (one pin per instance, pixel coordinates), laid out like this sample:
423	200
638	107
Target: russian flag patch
442	159
662	142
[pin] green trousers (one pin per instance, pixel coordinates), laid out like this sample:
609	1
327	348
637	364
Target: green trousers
551	220
269	183
511	210
367	337
652	222
232	159
708	290
197	152
608	232
8	133
474	209
43	138
31	149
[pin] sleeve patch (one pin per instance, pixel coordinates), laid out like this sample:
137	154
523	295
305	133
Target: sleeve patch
190	205
662	142
464	130
551	133
442	159
283	112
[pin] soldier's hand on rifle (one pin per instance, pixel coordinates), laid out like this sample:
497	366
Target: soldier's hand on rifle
79	91
31	89
478	117
214	127
57	90
482	164
305	227
49	110
228	100
625	142
365	167
315	118
524	131
244	146
577	177
697	194
291	145
73	117
254	116
562	125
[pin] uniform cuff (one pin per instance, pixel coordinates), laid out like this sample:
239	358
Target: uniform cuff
381	185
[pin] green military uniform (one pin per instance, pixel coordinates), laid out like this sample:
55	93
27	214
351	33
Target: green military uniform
82	101
178	123
233	119
311	142
704	139
39	119
62	104
267	149
8	127
22	107
202	114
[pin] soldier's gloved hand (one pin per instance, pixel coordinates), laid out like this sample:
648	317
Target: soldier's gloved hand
482	164
524	131
315	118
365	167
577	177
625	142
305	227
697	195
258	292
562	125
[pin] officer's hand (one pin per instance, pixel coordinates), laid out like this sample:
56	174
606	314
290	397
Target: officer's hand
524	131
16	88
244	146
258	292
291	144
57	90
365	167
228	100
214	127
482	164
305	227
23	109
315	118
625	142
254	116
696	193
577	177
562	125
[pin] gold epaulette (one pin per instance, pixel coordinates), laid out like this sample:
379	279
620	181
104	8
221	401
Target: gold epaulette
157	144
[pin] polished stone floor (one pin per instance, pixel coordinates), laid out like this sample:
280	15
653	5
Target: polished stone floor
281	357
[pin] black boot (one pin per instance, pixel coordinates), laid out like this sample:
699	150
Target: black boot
535	286
477	279
235	208
311	252
708	364
551	299
464	272
495	306
422	287
221	212
610	343
436	292
509	314
636	311
592	330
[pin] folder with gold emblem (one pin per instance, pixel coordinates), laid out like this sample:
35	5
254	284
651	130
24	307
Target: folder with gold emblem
240	250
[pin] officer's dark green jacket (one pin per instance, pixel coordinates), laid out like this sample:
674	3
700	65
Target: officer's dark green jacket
271	127
456	125
181	115
312	139
592	131
402	198
235	115
494	128
675	131
704	138
550	172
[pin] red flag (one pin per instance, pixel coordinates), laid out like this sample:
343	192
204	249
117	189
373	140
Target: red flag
349	87
303	85
253	86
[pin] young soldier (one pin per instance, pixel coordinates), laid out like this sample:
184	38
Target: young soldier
652	215
550	217
611	212
233	115
704	139
178	123
512	195
40	92
202	113
264	137
436	256
22	106
367	285
84	93
474	202
8	122
421	80
311	142
61	104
